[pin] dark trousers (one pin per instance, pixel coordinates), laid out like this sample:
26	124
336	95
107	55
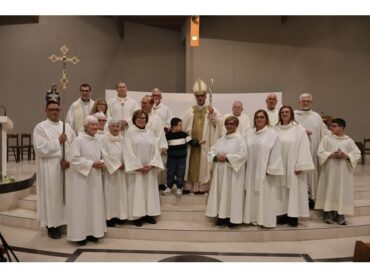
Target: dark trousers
176	167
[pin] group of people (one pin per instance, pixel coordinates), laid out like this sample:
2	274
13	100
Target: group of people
103	166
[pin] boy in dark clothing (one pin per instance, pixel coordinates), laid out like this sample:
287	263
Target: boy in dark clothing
176	155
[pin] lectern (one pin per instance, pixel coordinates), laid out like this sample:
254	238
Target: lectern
5	125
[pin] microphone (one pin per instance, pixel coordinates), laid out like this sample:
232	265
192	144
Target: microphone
4	109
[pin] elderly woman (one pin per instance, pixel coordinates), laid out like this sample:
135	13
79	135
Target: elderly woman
292	195
264	164
228	157
115	185
102	120
86	218
142	162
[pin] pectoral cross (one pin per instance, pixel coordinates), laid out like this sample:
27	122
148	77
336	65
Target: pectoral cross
63	81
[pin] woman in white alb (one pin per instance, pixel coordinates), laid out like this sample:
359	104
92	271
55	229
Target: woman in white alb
142	161
263	166
115	185
228	157
292	194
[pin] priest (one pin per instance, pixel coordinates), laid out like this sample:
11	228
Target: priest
316	130
48	138
86	217
79	109
201	122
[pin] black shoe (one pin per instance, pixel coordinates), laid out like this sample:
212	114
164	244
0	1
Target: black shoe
282	219
149	219
162	187
138	222
82	242
220	222
292	221
53	233
110	223
92	239
119	221
186	191
311	203
229	224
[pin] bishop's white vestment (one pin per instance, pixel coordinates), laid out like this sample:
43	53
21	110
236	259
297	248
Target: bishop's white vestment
209	132
292	195
335	189
50	206
227	193
86	213
140	149
263	168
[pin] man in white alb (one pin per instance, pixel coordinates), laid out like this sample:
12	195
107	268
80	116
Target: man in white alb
316	130
271	109
163	111
237	111
80	109
122	107
48	138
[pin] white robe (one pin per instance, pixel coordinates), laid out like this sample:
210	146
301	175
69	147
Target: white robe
226	197
50	207
140	148
77	112
121	108
210	134
292	195
86	215
155	125
335	189
312	121
244	123
165	113
263	166
115	185
273	116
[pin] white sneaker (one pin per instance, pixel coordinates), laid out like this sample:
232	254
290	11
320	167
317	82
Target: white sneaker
179	191
167	191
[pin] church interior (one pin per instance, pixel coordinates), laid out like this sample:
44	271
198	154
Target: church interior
326	56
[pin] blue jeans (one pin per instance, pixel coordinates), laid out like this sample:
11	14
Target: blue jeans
176	167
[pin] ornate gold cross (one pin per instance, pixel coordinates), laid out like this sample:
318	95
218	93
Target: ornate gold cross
74	60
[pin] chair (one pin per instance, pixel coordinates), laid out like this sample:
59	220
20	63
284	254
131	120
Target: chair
13	146
362	252
26	146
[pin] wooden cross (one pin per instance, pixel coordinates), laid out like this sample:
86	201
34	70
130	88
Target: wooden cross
74	60
63	81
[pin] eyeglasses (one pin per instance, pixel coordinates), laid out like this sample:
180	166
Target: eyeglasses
85	90
260	117
53	109
141	118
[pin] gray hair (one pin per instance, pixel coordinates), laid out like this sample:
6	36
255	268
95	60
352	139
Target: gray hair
100	116
113	121
271	95
306	95
238	102
90	119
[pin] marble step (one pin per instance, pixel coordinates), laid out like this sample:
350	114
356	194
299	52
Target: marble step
23	218
361	194
28	202
208	232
